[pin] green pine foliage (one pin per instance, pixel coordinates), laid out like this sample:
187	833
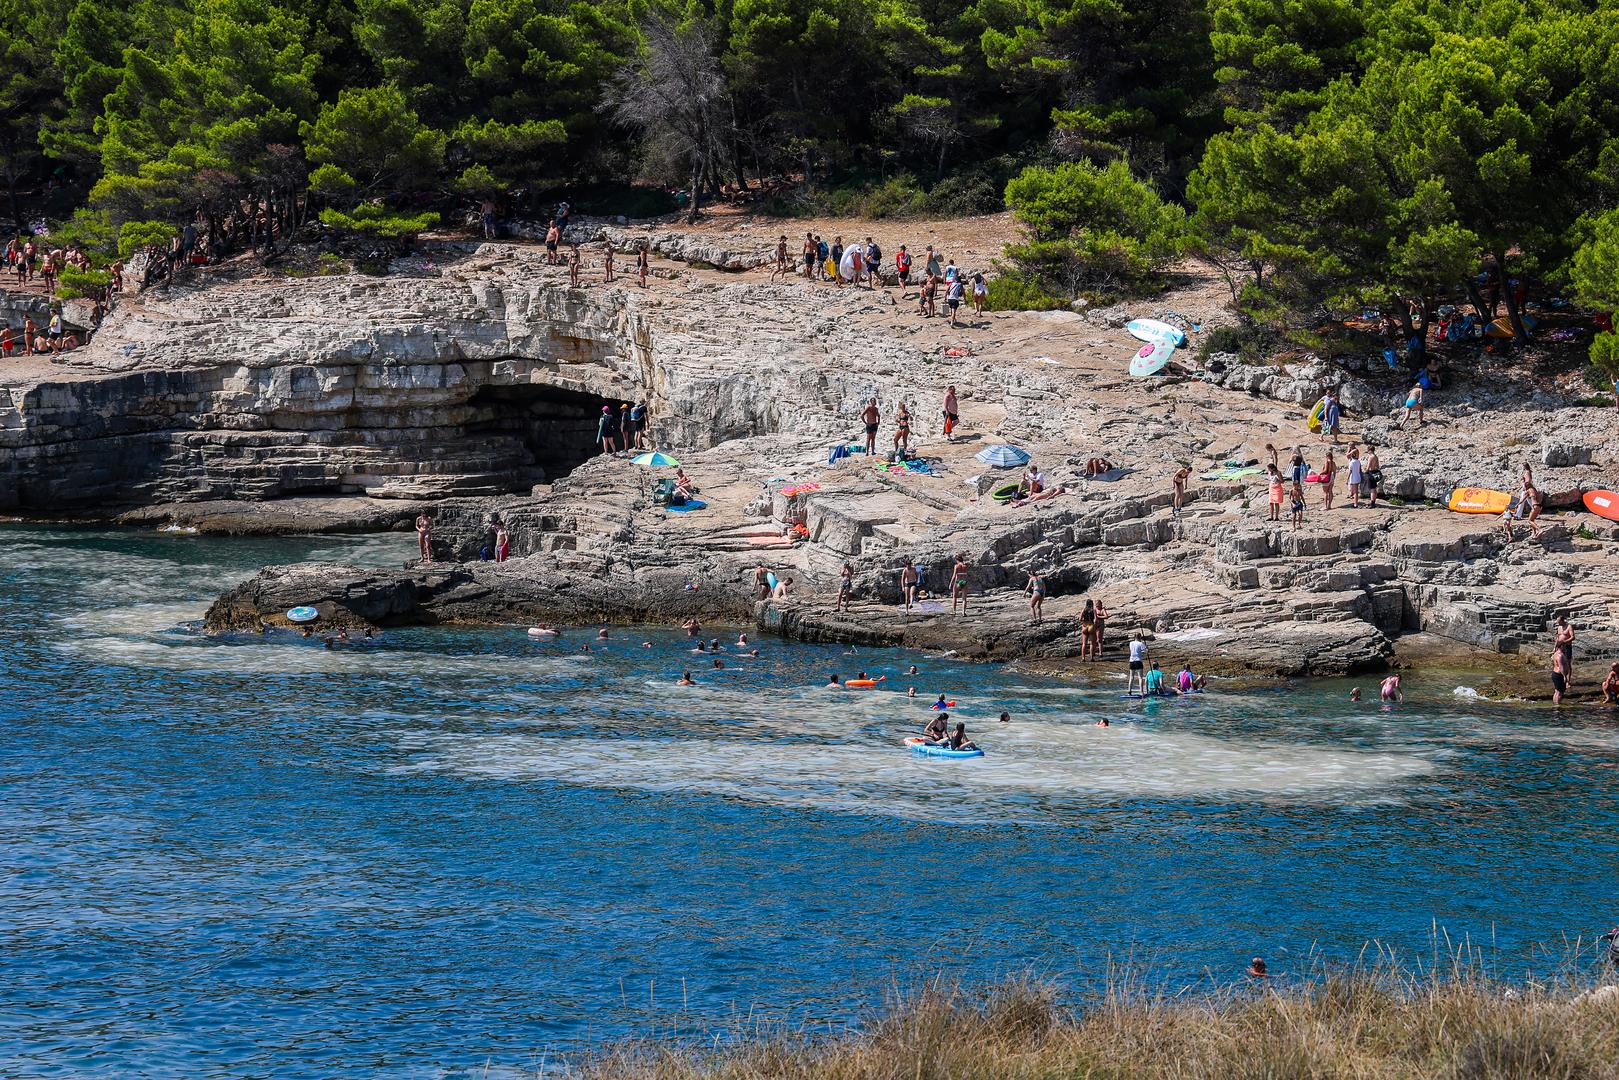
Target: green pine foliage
1323	154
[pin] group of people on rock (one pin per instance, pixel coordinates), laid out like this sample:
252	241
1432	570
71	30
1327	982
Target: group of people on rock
624	428
862	264
1362	471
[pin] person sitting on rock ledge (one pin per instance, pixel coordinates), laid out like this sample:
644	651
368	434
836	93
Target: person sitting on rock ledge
783	589
1096	466
1610	685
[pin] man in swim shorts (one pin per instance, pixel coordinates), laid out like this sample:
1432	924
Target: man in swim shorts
871	416
909	582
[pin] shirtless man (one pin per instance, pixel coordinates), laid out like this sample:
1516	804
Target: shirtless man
909	581
958	585
761	582
952	413
1179	482
845	588
783	267
424	535
871	416
1610	685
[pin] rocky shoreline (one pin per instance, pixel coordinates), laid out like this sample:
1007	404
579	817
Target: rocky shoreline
465	382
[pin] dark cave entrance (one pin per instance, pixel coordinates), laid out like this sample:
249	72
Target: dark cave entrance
552	428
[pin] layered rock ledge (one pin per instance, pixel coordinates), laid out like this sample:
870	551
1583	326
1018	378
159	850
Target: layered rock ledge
468	381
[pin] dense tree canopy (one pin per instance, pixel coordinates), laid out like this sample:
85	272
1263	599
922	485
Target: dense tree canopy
1323	152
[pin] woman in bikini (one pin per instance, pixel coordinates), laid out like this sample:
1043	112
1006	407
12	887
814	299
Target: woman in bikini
1036	588
1087	629
958	585
902	428
1101	628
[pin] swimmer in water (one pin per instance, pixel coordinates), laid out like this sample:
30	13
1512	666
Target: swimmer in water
1354	695
742	641
646	644
832	680
330	641
941	703
1006	718
1391	689
753	654
714	645
584	648
1103	722
686	680
910	691
601	635
309	631
718	663
692	627
701	648
343	634
863	675
913	670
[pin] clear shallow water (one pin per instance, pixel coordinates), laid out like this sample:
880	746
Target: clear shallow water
410	857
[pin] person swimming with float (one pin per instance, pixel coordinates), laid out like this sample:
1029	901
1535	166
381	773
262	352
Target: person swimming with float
940	704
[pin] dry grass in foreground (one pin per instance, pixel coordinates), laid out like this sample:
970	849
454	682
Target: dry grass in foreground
1370	1024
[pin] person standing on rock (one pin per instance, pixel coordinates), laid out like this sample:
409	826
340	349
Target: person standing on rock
1138	664
1273	477
871	417
643	264
1178	482
607	259
503	542
909	582
1357	475
845	588
553	237
952	412
955	292
1101	629
1329	479
874	263
573	266
1413	404
424	535
1087	630
980	295
607	430
902	269
1332	416
1296	518
958	584
638	421
931	266
902	429
809	256
761	582
1036	588
1298	468
1563	642
1373	474
783	266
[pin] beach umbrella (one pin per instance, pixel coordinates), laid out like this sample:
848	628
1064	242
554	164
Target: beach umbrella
1003	457
655	458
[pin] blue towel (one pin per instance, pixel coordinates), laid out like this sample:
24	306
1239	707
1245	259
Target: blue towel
689	504
838	452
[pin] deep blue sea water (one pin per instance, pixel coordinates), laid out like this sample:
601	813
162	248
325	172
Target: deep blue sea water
447	848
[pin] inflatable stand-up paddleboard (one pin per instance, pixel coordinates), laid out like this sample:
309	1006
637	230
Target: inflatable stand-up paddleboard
1479	501
1151	358
1151	330
302	614
1603	504
1317	415
920	745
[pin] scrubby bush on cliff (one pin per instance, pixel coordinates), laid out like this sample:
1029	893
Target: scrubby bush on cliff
1093	230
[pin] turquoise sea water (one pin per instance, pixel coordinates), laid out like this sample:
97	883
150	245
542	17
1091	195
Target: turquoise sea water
449	848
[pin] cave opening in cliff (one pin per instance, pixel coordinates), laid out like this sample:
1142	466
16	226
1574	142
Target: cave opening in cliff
554	429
